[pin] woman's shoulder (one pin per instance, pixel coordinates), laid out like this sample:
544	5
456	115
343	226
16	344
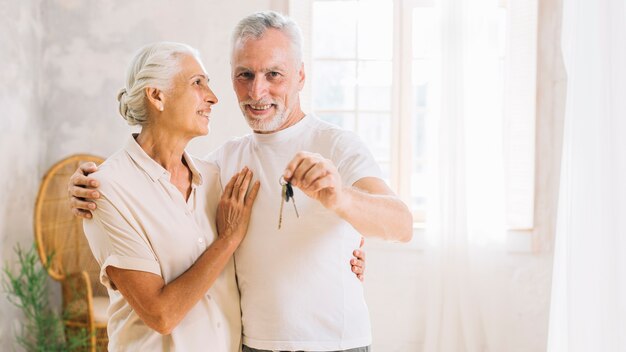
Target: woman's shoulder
114	171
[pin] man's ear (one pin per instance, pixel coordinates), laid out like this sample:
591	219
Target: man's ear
301	77
155	98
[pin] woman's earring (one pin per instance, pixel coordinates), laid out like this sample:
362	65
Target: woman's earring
161	108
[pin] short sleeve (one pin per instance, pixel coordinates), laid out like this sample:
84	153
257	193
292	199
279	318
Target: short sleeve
115	241
353	159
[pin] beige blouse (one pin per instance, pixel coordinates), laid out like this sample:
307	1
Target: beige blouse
144	223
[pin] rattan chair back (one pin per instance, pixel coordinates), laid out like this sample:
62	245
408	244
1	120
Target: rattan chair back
59	234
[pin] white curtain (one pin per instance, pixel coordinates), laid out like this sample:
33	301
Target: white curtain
588	306
466	214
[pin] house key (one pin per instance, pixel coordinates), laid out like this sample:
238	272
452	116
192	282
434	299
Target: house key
285	195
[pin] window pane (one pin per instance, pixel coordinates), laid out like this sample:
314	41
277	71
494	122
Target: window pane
375	85
334	29
418	186
425	72
375	130
386	169
422	71
425	26
375	25
496	21
425	76
343	120
333	85
419	136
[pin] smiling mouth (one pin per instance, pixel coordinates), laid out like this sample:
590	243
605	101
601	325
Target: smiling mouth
260	107
205	115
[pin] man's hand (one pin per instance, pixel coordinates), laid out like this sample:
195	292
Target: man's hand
369	205
358	262
317	177
82	190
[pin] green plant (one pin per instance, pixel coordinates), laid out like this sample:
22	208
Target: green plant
42	330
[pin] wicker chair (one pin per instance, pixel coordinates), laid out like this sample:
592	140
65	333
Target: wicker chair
60	239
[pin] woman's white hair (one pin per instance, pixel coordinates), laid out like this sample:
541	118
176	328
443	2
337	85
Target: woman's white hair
255	25
154	65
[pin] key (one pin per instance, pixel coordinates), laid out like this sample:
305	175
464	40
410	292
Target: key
283	195
286	194
290	195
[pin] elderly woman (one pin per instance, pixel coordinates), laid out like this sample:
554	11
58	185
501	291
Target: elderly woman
163	235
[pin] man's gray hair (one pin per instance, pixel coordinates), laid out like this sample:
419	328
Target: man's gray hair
154	66
255	25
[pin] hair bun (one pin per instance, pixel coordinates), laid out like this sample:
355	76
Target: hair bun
123	108
121	93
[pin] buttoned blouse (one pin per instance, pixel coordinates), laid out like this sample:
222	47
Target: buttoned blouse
142	222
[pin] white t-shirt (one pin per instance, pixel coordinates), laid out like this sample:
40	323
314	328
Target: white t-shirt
296	285
144	223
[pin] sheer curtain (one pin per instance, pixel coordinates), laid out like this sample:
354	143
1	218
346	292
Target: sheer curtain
466	222
588	307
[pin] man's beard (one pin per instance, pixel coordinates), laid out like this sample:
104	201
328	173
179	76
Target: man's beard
270	124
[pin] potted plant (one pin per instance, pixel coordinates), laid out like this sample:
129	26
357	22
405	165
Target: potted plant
27	289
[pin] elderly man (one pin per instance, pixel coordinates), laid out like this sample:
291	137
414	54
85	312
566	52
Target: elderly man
297	294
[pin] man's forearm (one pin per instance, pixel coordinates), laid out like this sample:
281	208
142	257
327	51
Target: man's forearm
373	215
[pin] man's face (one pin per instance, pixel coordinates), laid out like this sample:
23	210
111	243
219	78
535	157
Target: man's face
267	78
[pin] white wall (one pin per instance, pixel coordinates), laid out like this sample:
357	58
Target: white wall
513	296
63	62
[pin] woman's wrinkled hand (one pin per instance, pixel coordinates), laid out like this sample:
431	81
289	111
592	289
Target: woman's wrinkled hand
235	206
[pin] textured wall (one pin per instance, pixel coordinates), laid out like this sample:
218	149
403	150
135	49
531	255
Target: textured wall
20	136
88	46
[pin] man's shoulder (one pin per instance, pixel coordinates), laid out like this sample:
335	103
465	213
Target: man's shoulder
206	167
237	142
229	147
328	128
327	132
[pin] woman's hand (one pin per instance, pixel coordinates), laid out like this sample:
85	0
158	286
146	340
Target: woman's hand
358	262
235	206
158	304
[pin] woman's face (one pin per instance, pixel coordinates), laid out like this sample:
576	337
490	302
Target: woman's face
187	106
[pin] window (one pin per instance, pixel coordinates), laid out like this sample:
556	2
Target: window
352	70
384	68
